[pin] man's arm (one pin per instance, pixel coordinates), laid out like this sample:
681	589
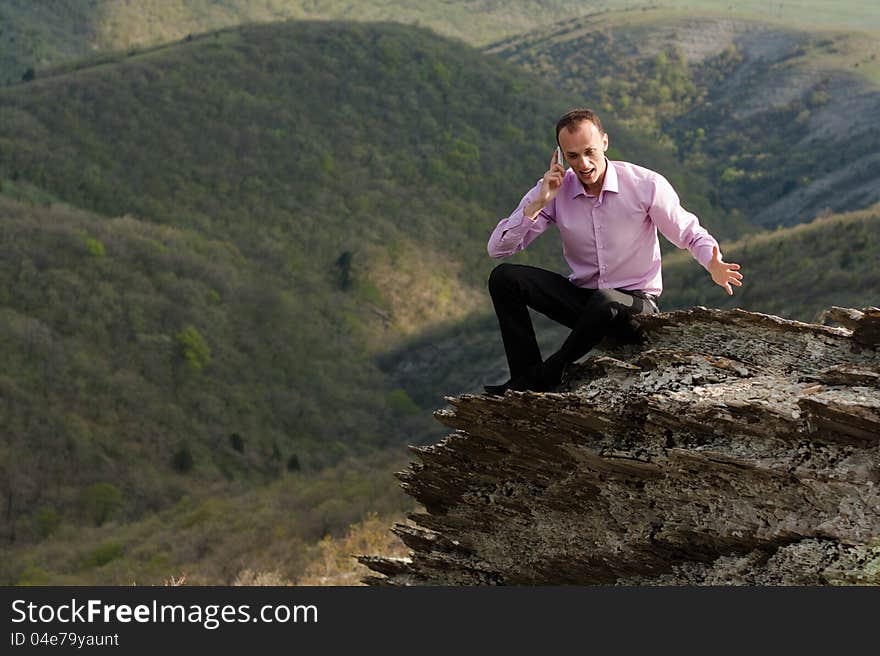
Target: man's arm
684	230
534	213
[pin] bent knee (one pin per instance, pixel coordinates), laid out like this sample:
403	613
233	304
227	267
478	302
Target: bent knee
503	274
605	307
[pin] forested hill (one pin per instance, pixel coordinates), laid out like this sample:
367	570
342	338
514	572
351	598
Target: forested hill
261	211
35	35
310	145
737	96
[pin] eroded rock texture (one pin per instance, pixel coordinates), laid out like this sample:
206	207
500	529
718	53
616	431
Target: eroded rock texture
730	447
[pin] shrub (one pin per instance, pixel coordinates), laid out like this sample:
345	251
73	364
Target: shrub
104	554
33	575
183	460
193	348
100	502
400	403
47	520
95	247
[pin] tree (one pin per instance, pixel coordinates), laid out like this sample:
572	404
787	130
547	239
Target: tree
193	348
183	460
343	263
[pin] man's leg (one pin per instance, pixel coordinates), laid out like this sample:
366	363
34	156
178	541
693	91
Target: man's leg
515	288
606	311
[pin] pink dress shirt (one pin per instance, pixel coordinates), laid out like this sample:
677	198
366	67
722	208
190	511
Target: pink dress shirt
610	241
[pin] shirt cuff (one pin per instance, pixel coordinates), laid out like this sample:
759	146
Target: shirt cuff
705	258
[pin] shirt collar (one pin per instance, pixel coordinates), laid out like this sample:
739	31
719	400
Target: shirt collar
608	184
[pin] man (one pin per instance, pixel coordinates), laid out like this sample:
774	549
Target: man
608	214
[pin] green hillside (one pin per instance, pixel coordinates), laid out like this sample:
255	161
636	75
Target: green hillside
332	155
215	535
35	35
38	35
286	201
150	355
747	107
737	95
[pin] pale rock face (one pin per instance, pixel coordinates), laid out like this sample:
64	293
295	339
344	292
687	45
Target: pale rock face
729	448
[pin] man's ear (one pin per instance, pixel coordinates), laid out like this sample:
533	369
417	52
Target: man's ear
605	142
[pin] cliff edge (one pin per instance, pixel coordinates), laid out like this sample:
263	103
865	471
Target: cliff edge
730	447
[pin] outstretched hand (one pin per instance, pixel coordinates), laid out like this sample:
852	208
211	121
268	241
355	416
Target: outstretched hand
724	274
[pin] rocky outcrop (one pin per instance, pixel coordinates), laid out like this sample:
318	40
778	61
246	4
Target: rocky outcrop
729	448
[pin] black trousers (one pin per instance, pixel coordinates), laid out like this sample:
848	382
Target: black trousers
592	314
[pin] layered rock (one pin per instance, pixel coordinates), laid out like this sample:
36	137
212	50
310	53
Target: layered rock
730	447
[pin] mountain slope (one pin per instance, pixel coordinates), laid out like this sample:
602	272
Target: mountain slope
213	536
154	359
213	311
300	142
332	153
40	34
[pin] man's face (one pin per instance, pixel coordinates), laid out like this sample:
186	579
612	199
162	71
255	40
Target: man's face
584	150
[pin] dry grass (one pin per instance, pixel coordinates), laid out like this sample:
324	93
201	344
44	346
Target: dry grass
334	563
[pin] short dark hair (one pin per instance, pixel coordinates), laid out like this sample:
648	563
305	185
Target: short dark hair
570	120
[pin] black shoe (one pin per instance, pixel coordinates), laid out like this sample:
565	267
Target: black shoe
497	390
553	371
529	382
540	378
522	383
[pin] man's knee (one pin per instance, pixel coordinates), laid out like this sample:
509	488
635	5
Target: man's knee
604	306
502	276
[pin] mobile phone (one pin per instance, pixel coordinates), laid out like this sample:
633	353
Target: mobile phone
559	159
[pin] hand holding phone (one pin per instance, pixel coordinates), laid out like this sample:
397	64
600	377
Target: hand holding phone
550	185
